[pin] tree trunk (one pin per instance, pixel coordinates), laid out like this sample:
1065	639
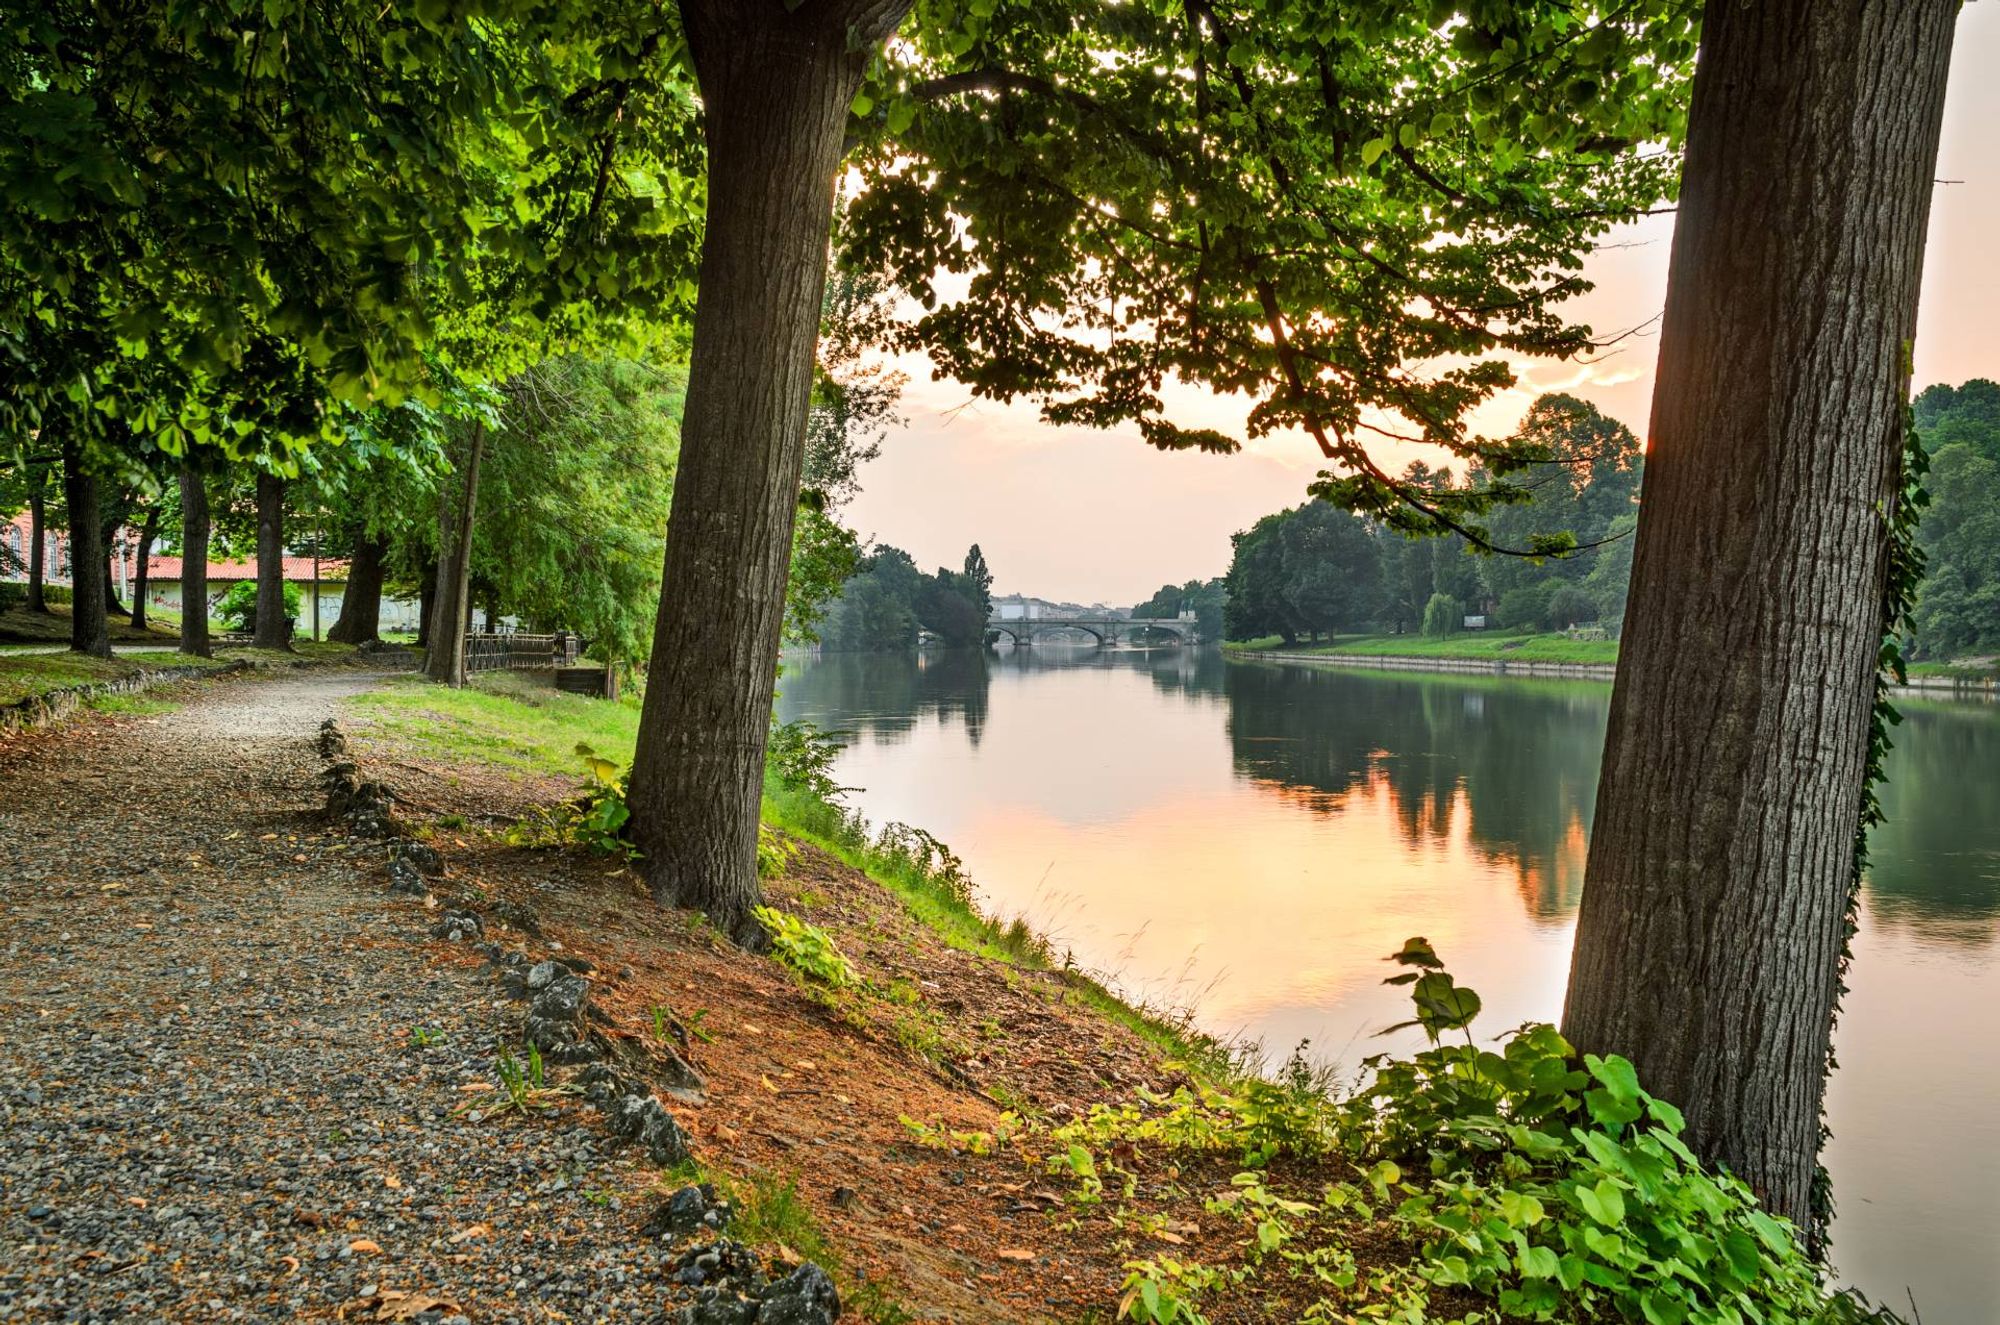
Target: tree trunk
427	586
38	525
147	533
445	660
775	86
194	562
113	520
361	605
1721	861
272	623
89	629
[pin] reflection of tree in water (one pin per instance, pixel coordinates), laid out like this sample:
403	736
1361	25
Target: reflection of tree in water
883	696
1935	861
1519	760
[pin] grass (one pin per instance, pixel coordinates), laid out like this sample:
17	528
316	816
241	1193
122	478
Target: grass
52	627
1485	646
506	720
24	675
503	719
1961	669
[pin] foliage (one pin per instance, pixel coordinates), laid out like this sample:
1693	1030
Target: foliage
1308	571
825	554
1312	207
238	607
596	817
1957	611
1443	615
1204	598
876	608
807	949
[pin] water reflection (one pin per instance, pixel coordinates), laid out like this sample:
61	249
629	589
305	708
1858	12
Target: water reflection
1250	839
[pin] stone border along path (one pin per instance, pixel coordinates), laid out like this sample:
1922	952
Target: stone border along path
236	1081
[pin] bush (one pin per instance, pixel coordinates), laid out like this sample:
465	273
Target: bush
57	595
1570	606
12	595
238	608
1526	606
1443	615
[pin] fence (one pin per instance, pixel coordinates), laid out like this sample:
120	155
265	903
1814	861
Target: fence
491	653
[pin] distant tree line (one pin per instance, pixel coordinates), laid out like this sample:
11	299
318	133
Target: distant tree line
1204	598
888	601
1317	570
1958	604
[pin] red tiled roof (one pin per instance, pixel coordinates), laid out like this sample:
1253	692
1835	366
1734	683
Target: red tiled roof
299	570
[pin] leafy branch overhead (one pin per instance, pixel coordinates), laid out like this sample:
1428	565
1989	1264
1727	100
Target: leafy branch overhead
1349	217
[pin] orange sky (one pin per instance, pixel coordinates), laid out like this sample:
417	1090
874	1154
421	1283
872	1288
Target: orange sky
1087	515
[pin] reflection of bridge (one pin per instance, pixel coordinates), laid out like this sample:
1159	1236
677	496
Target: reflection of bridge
1106	629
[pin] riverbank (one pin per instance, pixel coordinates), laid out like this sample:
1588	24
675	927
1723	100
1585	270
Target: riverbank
1556	656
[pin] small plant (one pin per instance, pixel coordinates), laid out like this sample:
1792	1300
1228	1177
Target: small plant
597	817
807	949
524	1085
774	853
423	1038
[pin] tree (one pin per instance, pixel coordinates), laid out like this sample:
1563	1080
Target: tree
876	608
1958	605
776	83
977	582
1332	575
194	558
945	606
1133	191
274	621
90	630
1722	866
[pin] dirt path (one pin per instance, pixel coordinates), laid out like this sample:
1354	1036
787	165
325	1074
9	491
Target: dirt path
213	1103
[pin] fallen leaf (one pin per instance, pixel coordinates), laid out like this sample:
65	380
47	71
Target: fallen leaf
725	1133
470	1232
268	837
291	1264
806	1065
790	1257
391	1304
1015	1254
365	1244
392	1182
767	1084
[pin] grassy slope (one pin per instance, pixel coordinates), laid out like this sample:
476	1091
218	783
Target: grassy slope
509	721
1483	646
26	674
52	627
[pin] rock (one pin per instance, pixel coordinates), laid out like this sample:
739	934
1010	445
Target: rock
689	1210
421	856
404	880
517	916
557	1019
456	926
806	1296
717	1308
643	1119
576	965
844	1198
602	1083
543	975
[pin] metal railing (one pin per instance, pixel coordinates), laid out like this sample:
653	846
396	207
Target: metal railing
491	653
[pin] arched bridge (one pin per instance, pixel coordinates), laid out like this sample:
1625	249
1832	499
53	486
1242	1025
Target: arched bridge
1106	629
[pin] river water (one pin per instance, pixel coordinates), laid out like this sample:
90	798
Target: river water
1250	839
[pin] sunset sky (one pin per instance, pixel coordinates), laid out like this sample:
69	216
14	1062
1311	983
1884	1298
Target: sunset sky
1075	513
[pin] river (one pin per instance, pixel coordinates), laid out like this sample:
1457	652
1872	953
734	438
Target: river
1249	839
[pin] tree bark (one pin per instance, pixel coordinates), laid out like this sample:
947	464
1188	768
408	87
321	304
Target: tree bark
114	515
148	531
361	605
272	623
38	486
89	628
445	659
194	562
776	82
1709	947
426	603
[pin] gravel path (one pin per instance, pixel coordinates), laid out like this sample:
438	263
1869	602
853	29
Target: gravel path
213	1105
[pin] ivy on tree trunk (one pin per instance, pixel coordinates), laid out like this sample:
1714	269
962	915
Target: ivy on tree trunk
1709	945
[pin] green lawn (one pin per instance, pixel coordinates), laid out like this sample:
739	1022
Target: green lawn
502	718
1487	646
52	627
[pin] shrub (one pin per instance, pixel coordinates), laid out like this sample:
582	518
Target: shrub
1570	606
12	595
1443	615
55	595
1526	607
238	607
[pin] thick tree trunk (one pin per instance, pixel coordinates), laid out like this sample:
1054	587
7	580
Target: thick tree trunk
89	629
427	586
361	605
148	531
37	600
1709	945
272	623
445	660
115	513
775	83
194	562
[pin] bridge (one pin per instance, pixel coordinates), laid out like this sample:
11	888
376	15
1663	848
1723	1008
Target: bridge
1106	629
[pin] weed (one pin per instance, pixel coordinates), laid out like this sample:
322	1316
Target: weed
807	949
423	1037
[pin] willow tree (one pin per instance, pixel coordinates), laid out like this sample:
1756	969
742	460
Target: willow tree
1298	202
1772	550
